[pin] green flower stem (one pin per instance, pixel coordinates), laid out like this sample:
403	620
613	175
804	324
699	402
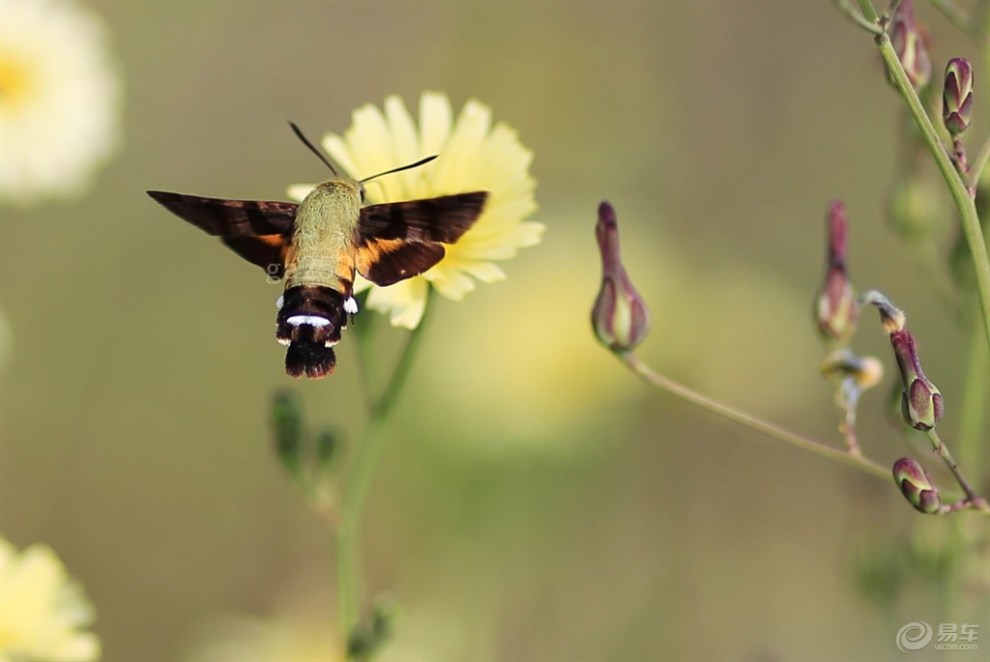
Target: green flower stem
856	17
369	451
869	13
968	215
647	374
972	499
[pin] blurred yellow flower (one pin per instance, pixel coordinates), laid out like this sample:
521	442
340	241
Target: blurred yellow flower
473	156
59	99
42	612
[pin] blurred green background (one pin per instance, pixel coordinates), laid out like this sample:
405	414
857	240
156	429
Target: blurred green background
536	502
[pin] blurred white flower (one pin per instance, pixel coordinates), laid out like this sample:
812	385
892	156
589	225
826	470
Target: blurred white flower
42	612
59	99
473	156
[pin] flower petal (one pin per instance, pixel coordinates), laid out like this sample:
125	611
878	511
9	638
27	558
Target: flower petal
451	283
435	118
405	146
371	150
454	172
335	146
404	302
41	610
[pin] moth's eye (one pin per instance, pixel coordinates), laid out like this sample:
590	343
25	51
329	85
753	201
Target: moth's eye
361	191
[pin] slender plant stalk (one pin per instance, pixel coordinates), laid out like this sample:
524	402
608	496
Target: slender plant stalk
647	374
846	8
973	500
968	216
869	13
369	451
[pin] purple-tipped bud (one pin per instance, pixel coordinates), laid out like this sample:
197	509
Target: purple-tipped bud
620	318
836	310
916	486
908	40
957	96
921	401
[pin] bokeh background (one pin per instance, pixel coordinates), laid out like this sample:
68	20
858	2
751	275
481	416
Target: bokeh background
536	502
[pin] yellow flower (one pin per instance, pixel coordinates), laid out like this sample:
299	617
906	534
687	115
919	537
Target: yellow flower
42	612
59	99
473	156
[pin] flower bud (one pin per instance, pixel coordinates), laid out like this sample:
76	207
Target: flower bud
836	311
921	401
957	96
916	486
908	40
620	318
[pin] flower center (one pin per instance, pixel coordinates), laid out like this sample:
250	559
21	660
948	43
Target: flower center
16	80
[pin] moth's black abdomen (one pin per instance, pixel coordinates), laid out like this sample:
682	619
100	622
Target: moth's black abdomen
309	322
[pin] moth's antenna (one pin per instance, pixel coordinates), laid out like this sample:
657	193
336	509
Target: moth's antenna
405	167
305	141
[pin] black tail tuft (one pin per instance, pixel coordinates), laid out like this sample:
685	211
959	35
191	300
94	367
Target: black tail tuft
314	360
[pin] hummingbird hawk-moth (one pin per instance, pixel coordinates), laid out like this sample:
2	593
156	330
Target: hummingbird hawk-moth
317	245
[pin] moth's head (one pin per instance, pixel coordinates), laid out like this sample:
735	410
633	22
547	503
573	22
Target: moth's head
336	189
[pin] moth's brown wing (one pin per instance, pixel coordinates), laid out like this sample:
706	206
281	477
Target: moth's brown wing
230	218
442	219
267	251
403	239
387	261
257	230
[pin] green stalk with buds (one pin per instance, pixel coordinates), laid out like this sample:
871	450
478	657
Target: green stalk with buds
620	318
